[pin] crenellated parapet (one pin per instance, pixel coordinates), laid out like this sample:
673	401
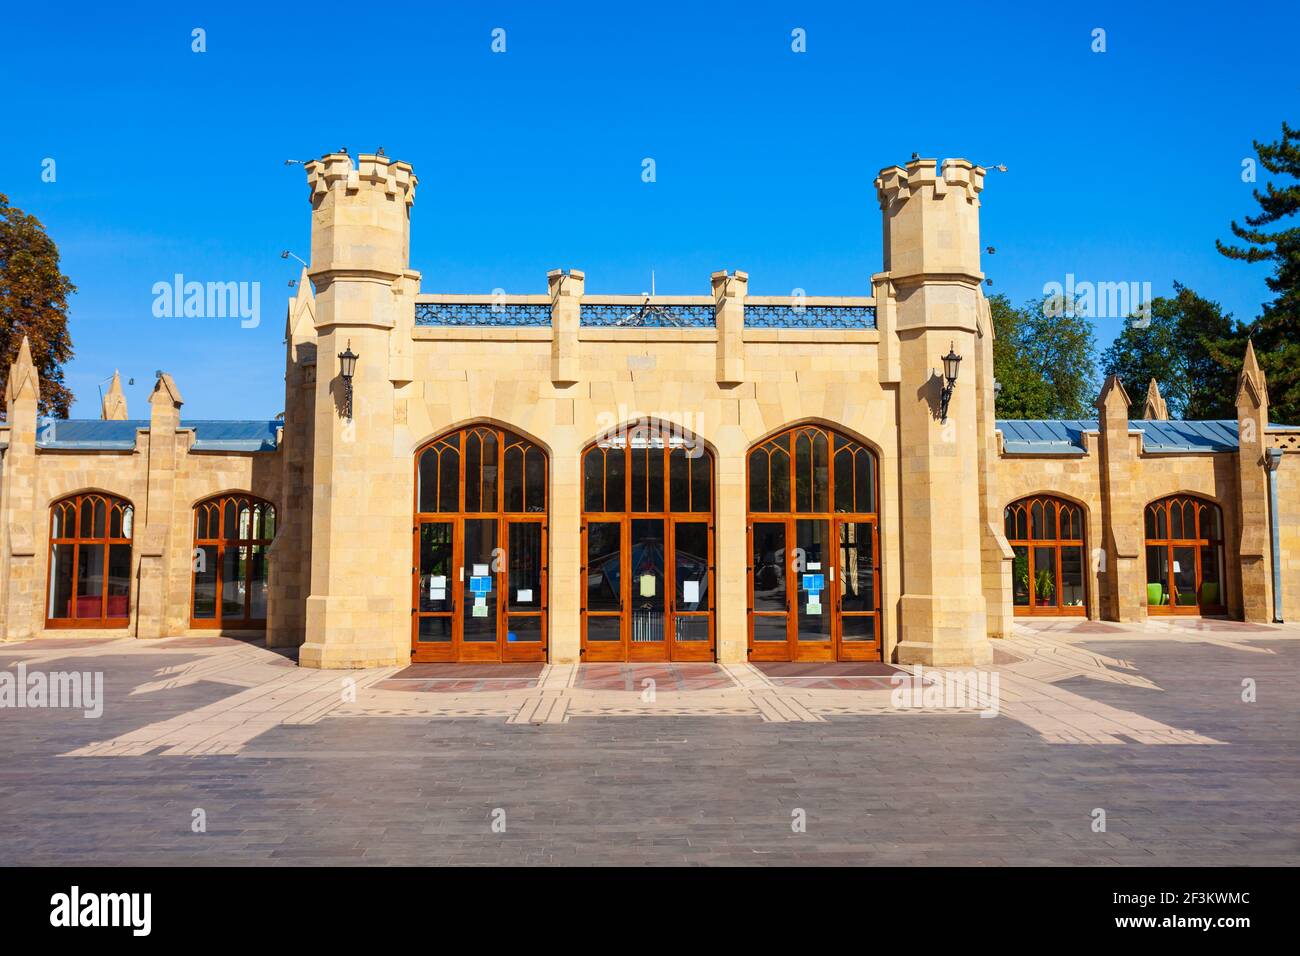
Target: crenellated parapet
395	178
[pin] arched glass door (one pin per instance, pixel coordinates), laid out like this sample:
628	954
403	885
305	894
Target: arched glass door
647	563
1047	570
814	547
480	588
232	535
1184	542
90	562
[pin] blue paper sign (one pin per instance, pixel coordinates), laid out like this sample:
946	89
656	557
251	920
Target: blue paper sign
814	582
480	585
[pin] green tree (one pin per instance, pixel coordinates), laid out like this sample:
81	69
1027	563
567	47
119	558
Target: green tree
34	302
1044	359
1174	348
1276	332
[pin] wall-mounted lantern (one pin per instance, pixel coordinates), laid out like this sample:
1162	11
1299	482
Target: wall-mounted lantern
951	366
348	368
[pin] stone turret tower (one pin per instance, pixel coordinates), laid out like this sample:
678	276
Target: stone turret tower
21	587
1252	440
932	261
361	482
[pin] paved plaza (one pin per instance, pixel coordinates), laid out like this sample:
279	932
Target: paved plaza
665	763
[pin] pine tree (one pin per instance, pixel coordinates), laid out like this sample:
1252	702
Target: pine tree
1276	333
34	302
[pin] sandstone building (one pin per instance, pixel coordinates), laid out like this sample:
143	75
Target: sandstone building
567	476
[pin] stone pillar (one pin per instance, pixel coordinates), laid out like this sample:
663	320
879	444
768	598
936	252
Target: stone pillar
21	590
113	407
1124	570
290	553
1252	511
729	290
362	482
931	243
995	554
566	290
153	602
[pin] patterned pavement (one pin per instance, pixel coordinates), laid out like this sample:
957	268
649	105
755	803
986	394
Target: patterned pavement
411	765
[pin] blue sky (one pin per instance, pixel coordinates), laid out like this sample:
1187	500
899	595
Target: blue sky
1123	166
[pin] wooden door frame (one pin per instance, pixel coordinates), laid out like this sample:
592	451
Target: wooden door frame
1169	543
671	651
458	650
834	520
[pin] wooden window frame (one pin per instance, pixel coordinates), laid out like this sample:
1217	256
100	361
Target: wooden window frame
1169	543
218	621
77	541
1057	542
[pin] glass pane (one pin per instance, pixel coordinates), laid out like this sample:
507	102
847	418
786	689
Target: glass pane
62	526
857	567
61	563
1043	517
205	583
701	480
491	477
615	479
479	611
1157	576
474	472
1185	577
448	479
245	521
525	571
268	523
234	595
1176	521
593	480
436	574
803	471
427	493
821	473
86	523
90	581
1211	577
844	480
1072	576
1045	583
679	480
604	566
534	480
512	480
758	464
769	627
694	628
119	580
101	518
434	630
813	538
780	474
1009	524
1211	527
602	627
230	521
1151	523
115	523
257	582
523	628
858	627
864	480
1020	576
769	567
647	580
691	565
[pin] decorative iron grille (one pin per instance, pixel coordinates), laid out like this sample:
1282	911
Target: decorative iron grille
649	315
810	317
482	313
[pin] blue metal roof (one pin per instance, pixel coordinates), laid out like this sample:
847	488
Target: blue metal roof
1065	436
93	434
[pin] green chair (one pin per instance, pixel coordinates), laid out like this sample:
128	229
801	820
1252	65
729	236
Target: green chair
1156	595
1210	594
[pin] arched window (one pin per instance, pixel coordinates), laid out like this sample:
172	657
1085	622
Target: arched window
480	548
232	534
90	562
1047	541
1184	545
647	568
814	539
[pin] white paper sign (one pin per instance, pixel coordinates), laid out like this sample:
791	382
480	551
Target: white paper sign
647	585
1178	568
480	570
479	610
525	596
437	594
814	607
690	592
438	581
814	565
